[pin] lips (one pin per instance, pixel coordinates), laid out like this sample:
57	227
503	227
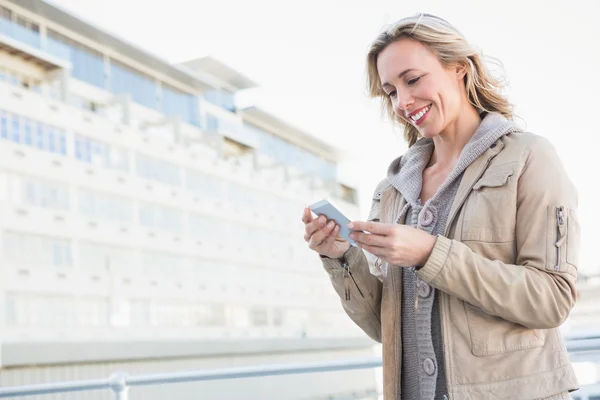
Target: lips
418	116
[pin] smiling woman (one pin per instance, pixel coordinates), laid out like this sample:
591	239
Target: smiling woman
412	71
475	231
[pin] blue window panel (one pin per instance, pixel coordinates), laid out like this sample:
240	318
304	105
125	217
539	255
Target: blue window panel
27	133
96	148
87	152
51	140
30	193
40	136
62	145
4	117
57	254
78	149
15	134
13	80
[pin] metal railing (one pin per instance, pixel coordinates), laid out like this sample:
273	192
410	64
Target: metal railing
120	382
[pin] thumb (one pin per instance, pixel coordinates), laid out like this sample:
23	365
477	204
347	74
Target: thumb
306	216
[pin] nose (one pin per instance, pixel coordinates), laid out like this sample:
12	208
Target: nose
403	102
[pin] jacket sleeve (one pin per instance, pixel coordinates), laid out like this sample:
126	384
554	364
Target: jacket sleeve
538	291
359	290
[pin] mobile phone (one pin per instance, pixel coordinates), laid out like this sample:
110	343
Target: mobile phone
326	208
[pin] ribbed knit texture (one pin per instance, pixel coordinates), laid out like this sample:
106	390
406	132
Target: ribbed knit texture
423	375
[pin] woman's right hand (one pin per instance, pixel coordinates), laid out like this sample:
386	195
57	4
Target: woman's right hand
322	236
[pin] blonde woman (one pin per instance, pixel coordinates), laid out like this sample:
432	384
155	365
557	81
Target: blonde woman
474	229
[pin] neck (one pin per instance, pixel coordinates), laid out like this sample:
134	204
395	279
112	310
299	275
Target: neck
450	142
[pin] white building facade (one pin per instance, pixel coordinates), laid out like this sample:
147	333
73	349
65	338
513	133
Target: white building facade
148	225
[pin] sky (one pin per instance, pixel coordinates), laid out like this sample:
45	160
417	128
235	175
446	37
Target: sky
309	59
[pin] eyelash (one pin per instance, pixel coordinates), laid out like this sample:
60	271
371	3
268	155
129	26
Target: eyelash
411	82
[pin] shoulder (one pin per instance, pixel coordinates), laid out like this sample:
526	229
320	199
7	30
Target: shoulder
381	187
526	146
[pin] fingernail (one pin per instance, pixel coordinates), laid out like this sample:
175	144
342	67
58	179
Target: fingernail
350	225
330	224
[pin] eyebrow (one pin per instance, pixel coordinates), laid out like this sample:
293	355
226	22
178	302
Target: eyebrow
406	71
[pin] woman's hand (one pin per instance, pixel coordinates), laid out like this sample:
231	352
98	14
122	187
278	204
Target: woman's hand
322	236
394	243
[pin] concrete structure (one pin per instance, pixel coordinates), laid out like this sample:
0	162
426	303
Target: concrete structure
148	225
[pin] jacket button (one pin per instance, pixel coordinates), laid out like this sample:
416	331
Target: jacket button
429	366
426	217
424	289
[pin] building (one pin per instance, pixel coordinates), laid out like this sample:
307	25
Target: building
148	225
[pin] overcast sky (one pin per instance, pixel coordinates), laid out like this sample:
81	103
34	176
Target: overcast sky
308	57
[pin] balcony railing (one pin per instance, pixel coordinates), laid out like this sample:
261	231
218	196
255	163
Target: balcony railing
120	382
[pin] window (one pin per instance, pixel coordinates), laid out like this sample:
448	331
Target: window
286	153
186	315
207	228
209	186
23	130
41	193
123	79
104	206
26	250
156	216
88	64
221	98
105	258
157	170
19	28
159	264
55	311
101	154
259	316
184	105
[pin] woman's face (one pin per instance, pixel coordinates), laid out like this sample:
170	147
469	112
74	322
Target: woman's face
422	91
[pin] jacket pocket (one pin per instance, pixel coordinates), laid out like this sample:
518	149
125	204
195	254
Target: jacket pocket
495	179
562	239
486	210
491	335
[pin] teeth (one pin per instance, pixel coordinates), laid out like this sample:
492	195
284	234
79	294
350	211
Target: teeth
418	116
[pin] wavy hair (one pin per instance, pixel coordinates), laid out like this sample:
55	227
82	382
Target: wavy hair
451	48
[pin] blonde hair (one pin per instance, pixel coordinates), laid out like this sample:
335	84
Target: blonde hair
451	48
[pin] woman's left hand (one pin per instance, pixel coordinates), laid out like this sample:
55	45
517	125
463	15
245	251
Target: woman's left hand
394	243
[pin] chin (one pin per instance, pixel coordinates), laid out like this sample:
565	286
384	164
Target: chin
429	133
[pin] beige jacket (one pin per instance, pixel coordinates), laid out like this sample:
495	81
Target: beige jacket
506	270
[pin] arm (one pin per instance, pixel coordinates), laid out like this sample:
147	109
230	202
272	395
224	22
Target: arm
359	290
539	290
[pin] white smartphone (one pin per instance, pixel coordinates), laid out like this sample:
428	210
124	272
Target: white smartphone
326	208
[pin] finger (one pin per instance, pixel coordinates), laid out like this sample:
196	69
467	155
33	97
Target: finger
331	237
371	239
371	226
307	216
314	226
319	236
376	251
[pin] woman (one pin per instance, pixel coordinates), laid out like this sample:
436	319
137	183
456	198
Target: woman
474	229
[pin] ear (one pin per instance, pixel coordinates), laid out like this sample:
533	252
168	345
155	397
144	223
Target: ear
461	71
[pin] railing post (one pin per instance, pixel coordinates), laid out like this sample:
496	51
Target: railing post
118	384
